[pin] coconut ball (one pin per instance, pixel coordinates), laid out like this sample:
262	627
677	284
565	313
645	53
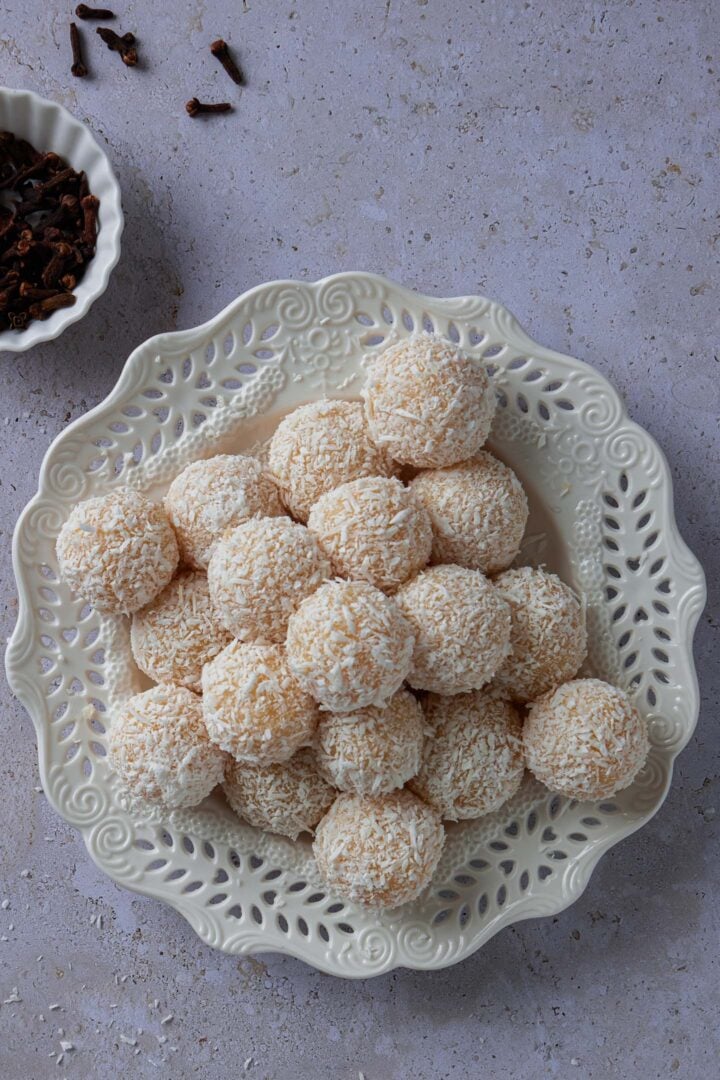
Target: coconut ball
585	740
349	646
159	747
211	496
373	530
254	706
379	850
287	798
174	635
478	511
320	446
462	629
117	551
427	403
548	635
372	751
259	574
473	760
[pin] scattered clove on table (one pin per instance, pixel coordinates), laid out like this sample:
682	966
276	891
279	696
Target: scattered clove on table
220	50
195	107
78	68
84	12
124	44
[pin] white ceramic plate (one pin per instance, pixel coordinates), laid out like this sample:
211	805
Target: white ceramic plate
48	126
602	516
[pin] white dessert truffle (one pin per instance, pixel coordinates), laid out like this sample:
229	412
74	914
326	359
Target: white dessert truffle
473	760
254	706
216	494
288	798
373	530
585	740
320	446
462	629
174	635
478	511
349	646
547	636
372	751
259	574
380	851
159	747
117	551
426	403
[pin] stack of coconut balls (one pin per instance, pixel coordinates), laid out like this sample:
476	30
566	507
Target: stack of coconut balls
349	653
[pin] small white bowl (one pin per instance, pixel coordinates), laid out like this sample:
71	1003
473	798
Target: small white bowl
48	126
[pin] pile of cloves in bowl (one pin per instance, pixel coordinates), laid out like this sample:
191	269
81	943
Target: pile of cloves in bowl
48	227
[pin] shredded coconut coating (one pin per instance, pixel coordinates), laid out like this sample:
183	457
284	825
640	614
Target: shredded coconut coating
548	635
160	749
320	446
254	706
473	760
349	646
380	851
373	529
427	403
211	496
372	751
287	798
462	629
117	551
177	632
585	740
260	573
478	511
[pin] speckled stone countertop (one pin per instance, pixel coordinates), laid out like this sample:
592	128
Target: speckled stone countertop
560	157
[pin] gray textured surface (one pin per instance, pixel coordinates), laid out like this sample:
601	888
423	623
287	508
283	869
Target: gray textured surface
562	158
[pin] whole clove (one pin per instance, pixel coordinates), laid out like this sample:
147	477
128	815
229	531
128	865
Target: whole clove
90	206
48	231
195	107
124	44
220	50
43	308
84	12
78	68
31	292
